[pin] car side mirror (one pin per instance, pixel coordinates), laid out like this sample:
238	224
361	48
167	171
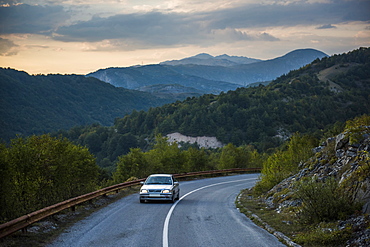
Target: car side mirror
176	183
142	182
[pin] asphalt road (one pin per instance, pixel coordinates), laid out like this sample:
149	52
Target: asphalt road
205	215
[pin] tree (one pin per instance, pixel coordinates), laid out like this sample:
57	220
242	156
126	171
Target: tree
197	160
43	170
165	157
133	164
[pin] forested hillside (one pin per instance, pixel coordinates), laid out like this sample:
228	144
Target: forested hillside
35	104
312	100
296	102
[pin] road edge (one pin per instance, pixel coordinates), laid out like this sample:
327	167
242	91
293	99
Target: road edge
281	236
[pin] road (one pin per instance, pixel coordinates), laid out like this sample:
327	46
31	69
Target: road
205	215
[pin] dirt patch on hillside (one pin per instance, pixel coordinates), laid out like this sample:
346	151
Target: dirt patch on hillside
328	74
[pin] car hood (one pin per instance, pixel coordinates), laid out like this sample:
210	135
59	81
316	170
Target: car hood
157	186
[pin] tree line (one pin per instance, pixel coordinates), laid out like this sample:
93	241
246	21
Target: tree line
39	171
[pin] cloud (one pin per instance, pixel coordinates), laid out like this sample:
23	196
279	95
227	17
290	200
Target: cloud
150	26
25	18
175	27
291	14
7	47
205	24
141	30
327	26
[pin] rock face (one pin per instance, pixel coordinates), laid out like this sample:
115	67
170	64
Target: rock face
203	141
337	158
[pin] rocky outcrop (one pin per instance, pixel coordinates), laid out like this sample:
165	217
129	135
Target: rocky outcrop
201	141
348	163
337	158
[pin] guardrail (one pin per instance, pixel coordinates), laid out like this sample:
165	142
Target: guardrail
26	220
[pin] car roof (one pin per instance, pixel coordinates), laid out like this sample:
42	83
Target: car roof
160	175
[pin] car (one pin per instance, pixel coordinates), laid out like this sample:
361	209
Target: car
160	187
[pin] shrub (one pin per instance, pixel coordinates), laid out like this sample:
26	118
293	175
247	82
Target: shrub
323	201
324	234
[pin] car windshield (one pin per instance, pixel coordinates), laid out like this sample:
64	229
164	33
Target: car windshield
159	180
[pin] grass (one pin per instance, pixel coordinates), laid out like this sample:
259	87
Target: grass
286	222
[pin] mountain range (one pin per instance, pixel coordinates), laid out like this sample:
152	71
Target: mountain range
316	99
204	73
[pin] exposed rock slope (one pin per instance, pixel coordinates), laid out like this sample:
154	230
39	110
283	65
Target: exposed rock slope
337	158
344	158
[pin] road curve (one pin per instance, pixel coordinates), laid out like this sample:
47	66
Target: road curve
205	215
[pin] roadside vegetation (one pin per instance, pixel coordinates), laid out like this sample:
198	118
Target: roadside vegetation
319	210
39	171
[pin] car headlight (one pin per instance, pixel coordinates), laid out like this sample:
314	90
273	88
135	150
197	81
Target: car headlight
166	191
144	191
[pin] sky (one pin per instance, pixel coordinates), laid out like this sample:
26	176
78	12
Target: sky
82	36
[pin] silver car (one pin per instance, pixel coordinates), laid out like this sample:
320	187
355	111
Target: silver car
160	187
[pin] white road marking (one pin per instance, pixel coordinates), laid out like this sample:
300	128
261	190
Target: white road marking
167	220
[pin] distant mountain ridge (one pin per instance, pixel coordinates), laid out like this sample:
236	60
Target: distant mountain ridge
206	59
207	73
245	74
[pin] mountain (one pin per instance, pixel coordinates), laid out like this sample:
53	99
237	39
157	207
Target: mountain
244	74
207	73
206	59
142	76
310	100
34	104
296	102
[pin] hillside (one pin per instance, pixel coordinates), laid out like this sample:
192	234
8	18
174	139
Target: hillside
207	73
262	116
330	190
142	76
172	91
298	101
44	103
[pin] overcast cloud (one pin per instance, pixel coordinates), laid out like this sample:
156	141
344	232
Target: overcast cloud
129	25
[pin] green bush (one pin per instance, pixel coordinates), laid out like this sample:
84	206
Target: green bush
323	201
324	234
283	163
